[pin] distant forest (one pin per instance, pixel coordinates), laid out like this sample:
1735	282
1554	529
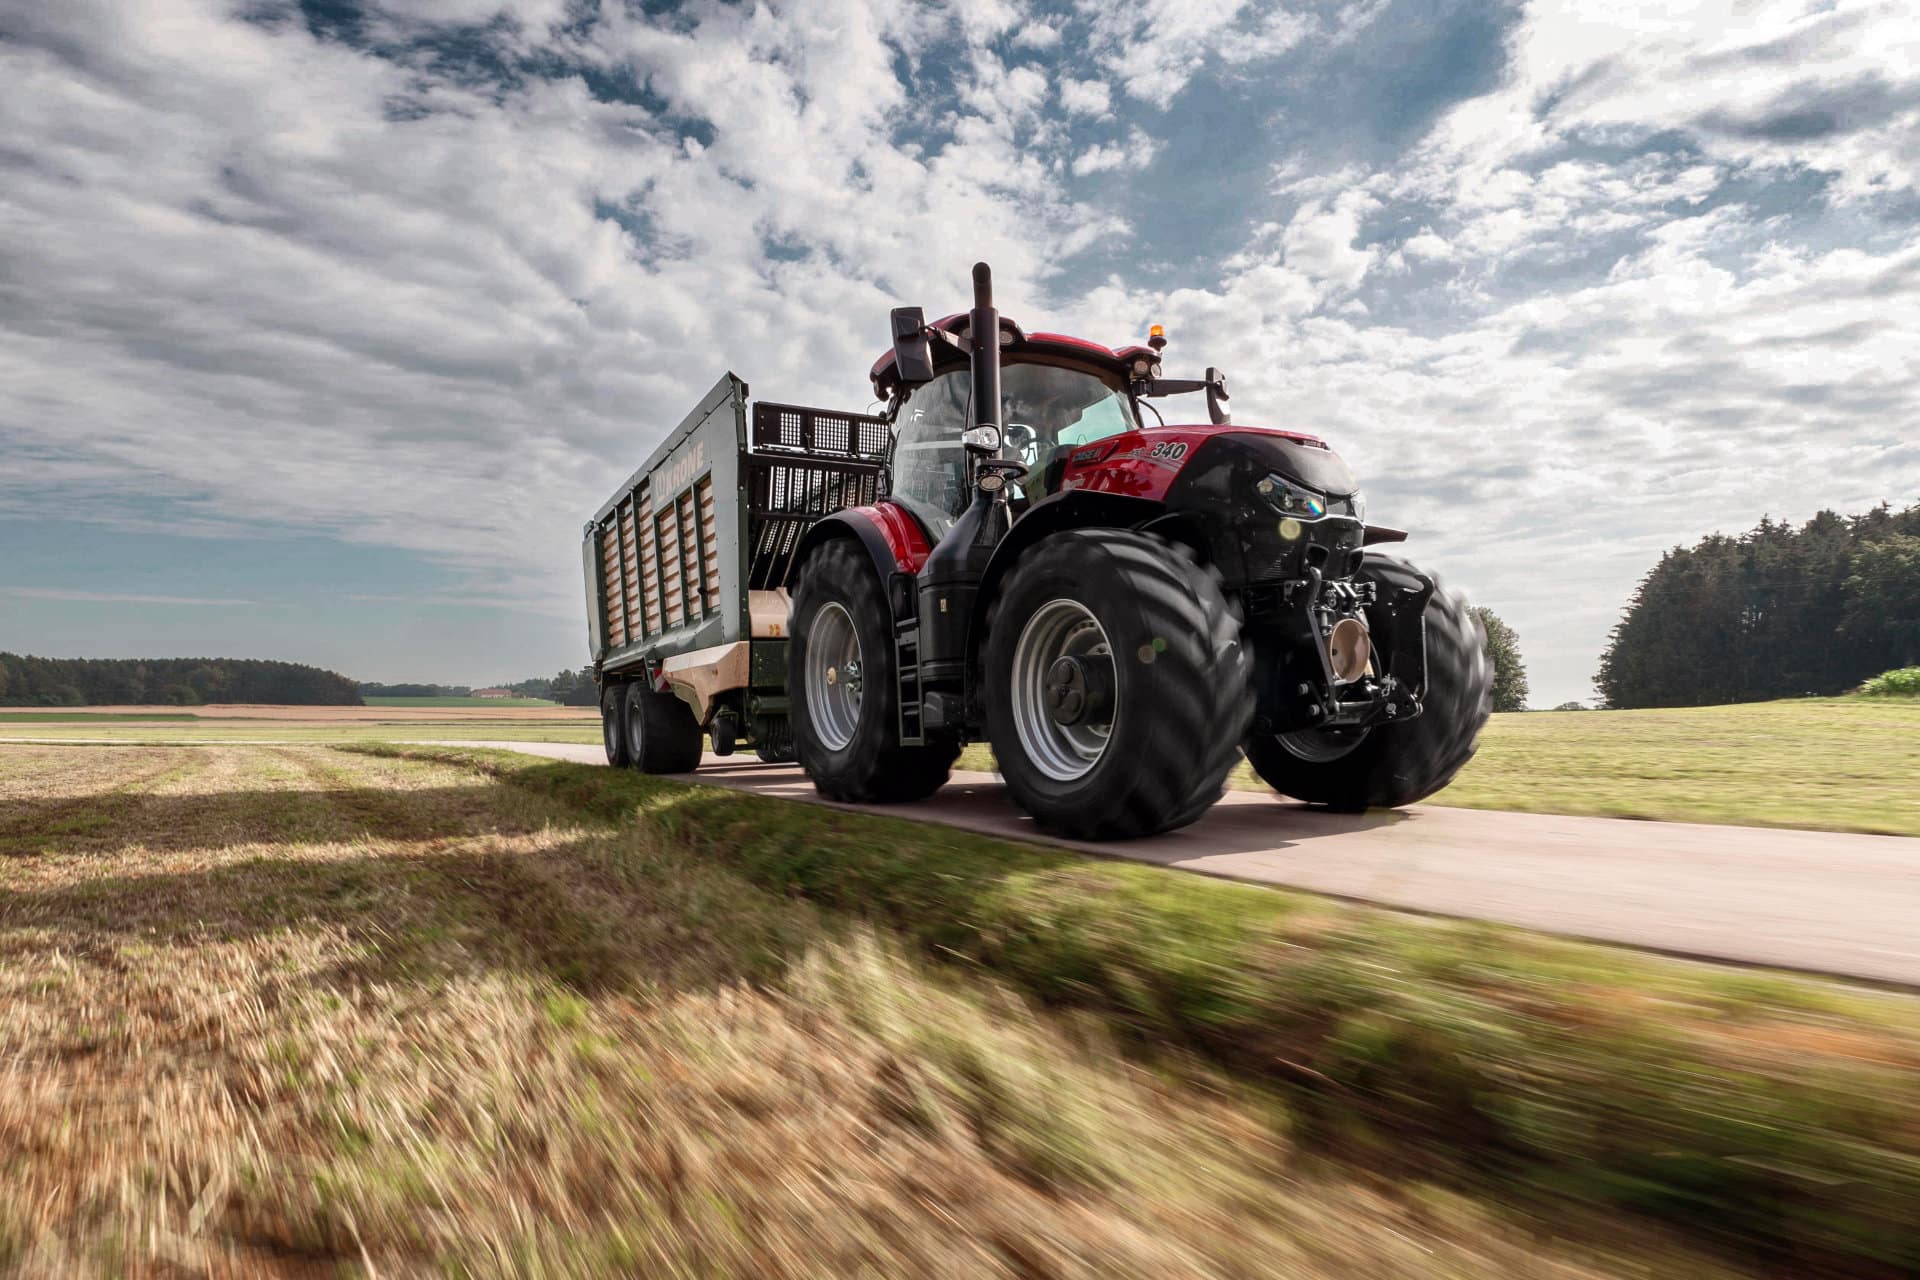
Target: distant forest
79	682
1776	612
575	688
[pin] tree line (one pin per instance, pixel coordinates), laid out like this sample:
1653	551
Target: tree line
1775	612
567	686
27	681
574	688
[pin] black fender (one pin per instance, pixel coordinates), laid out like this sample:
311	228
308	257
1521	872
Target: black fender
1056	513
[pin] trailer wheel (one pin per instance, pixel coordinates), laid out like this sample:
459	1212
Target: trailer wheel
776	741
1394	764
843	690
1116	684
662	735
613	725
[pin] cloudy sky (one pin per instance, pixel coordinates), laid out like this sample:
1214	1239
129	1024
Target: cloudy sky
323	325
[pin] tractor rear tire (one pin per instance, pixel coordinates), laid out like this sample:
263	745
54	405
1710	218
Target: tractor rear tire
613	725
662	735
1154	644
847	735
1395	764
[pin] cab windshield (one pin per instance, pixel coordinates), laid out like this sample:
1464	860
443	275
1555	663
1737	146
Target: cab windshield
1048	411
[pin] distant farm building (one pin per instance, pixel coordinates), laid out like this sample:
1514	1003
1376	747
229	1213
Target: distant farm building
493	693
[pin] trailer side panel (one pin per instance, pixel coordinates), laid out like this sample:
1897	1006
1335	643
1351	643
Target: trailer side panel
662	550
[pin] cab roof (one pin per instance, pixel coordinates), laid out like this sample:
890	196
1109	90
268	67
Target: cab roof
1119	362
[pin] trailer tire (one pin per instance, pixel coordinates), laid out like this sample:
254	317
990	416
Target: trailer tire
1397	764
613	725
776	742
1152	638
662	735
850	745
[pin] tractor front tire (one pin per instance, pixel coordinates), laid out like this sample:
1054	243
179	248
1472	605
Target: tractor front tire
662	735
843	688
1394	764
613	725
1116	684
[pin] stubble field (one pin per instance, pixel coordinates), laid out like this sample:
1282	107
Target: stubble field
293	1010
1837	764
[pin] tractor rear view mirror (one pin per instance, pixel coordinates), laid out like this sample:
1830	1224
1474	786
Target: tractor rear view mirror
912	352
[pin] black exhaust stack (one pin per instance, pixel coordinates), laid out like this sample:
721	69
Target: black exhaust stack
950	579
983	332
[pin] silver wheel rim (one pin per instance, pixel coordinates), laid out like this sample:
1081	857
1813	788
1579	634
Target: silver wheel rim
833	676
1058	629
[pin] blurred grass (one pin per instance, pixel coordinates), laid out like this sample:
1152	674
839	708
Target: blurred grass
287	1011
1750	1107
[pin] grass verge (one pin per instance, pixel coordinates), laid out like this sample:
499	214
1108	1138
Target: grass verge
1751	1107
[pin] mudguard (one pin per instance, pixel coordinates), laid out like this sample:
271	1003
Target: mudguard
893	538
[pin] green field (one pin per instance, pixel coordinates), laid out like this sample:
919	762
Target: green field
1843	764
1827	764
460	702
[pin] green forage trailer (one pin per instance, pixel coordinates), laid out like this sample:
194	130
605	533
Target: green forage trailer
687	568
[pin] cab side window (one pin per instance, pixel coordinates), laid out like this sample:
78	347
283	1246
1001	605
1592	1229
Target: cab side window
929	462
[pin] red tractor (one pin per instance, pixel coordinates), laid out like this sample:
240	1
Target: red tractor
1120	608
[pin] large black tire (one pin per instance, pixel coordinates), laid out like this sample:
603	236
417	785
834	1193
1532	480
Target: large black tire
870	766
1180	696
662	735
1397	764
613	725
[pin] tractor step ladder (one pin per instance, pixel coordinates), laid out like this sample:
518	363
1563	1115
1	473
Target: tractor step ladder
906	657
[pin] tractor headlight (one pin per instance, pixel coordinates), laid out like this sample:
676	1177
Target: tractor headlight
1290	499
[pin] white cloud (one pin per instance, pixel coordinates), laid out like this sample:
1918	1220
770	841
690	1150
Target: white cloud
1037	35
1827	84
1086	97
1320	241
1136	152
1427	247
1099	159
1152	51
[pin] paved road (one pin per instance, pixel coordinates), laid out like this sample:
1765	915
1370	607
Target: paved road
1821	901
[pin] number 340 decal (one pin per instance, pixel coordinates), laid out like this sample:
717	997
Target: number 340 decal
1170	449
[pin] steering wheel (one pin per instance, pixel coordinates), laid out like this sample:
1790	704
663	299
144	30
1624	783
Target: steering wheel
1026	440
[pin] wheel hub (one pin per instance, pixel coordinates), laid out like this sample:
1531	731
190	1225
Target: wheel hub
833	676
1079	690
1063	699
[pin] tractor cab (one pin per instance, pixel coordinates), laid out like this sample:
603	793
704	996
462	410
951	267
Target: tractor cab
1048	407
1057	395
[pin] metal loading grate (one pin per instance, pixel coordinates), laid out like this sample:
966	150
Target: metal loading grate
824	433
786	497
